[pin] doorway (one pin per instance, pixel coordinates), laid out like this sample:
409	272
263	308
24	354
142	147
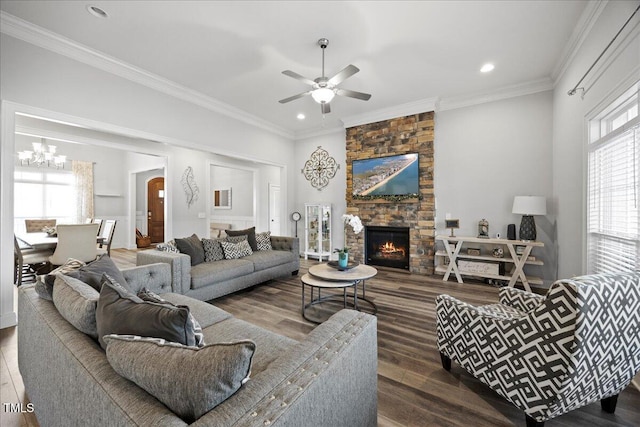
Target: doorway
155	209
274	209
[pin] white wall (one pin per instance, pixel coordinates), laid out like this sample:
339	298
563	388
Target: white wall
334	192
618	69
484	156
38	80
241	183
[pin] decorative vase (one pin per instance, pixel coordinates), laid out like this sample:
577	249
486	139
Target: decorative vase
343	259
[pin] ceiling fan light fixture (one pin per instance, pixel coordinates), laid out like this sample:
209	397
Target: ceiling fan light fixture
323	95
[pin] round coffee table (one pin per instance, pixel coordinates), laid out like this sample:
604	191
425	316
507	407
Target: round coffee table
319	284
357	274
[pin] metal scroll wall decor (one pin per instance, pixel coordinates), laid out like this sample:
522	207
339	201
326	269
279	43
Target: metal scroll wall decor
189	185
320	168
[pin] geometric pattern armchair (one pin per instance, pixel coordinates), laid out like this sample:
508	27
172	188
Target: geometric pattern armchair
549	355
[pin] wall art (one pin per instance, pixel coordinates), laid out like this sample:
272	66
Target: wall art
320	168
190	187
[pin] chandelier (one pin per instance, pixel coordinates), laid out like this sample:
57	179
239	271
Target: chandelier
42	155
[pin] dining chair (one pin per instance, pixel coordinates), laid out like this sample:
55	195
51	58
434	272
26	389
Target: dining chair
100	223
108	228
76	241
36	225
27	262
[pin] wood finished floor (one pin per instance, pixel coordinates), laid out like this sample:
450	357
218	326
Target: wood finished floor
413	389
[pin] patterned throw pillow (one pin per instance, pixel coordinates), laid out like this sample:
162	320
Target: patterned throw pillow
212	250
150	296
236	250
215	372
263	240
169	246
249	232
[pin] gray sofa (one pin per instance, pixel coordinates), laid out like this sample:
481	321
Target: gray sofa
210	280
328	378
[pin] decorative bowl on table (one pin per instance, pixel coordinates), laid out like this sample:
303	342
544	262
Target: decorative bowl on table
349	266
51	231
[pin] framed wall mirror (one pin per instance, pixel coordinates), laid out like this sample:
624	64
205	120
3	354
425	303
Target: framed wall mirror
222	198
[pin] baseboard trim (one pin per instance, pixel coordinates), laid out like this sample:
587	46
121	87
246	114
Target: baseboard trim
8	319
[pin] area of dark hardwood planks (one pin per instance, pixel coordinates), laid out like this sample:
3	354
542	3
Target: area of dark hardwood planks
413	389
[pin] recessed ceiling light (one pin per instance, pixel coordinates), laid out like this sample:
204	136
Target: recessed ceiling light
97	12
300	116
486	68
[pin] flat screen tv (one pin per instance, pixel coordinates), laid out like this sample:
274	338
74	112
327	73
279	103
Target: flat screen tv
386	176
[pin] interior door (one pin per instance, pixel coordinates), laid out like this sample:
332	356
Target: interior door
155	206
274	209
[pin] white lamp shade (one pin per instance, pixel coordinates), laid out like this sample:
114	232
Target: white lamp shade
322	95
529	205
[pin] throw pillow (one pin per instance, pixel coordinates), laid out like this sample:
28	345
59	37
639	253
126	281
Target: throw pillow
169	246
44	282
150	296
191	246
263	240
236	250
215	372
76	302
120	311
249	232
92	273
212	250
236	239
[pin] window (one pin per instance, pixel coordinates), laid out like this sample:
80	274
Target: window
613	235
43	193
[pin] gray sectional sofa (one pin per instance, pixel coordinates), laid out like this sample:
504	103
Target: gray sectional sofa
210	280
328	378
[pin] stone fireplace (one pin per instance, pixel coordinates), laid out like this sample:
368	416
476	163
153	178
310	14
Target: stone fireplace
409	134
387	246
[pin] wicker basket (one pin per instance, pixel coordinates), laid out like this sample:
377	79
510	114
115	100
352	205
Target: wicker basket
143	241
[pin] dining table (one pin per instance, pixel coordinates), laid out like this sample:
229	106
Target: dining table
42	240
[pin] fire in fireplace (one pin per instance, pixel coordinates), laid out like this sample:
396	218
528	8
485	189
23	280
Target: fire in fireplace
387	246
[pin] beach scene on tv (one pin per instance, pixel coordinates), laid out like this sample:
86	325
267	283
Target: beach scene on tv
386	176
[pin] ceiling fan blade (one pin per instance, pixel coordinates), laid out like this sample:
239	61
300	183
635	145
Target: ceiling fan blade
326	108
353	94
294	97
347	72
298	77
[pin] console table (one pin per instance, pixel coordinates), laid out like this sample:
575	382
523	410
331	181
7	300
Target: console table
452	251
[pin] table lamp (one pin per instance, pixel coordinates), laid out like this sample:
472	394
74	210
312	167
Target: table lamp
528	206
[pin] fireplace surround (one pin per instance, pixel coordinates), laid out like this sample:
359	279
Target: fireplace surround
409	134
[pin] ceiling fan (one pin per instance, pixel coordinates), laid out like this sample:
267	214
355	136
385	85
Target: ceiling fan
323	89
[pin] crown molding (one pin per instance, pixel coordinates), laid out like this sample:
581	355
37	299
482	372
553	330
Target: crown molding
521	89
313	133
416	107
38	36
587	20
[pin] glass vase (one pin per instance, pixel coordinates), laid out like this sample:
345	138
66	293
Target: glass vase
343	259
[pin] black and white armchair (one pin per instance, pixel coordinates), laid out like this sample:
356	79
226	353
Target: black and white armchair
551	354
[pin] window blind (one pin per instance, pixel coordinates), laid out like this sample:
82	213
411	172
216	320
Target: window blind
613	235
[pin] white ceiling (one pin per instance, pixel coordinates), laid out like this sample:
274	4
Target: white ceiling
235	51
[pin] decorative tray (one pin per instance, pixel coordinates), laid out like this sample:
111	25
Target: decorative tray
349	266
